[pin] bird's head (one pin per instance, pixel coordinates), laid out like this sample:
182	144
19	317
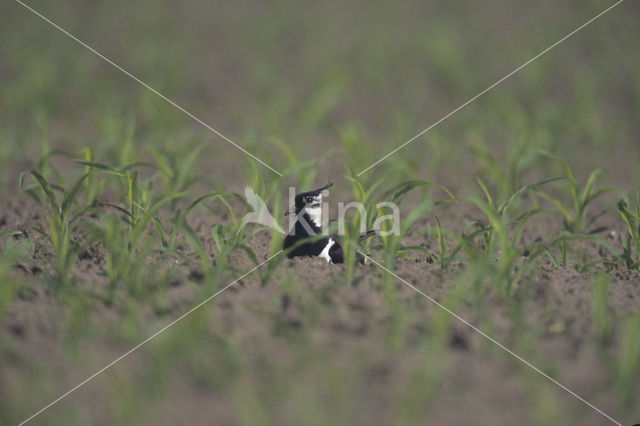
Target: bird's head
310	202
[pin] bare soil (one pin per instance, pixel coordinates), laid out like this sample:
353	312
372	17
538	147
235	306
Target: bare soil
318	332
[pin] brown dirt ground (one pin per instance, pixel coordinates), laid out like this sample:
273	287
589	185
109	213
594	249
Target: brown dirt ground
347	325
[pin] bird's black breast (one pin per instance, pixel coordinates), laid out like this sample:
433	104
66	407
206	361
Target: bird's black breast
310	248
335	253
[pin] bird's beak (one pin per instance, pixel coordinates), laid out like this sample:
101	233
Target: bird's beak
291	210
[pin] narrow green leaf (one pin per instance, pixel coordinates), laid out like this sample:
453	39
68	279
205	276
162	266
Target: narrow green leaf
565	212
505	206
5	234
44	185
140	225
69	197
591	181
100	166
486	191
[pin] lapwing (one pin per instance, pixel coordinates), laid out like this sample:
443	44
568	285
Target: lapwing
308	211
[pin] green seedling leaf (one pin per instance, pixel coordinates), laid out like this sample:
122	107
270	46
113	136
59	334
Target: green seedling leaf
46	188
591	181
598	193
250	253
69	197
114	206
358	189
552	257
486	208
441	244
41	232
100	166
505	206
5	234
217	232
163	232
140	226
183	216
285	149
565	212
486	192
139	164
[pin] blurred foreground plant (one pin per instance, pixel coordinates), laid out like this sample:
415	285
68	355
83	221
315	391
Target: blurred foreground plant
631	241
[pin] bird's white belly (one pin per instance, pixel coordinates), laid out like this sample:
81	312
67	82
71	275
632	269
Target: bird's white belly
325	252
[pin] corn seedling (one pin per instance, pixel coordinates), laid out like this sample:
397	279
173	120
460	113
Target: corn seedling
395	195
501	236
10	253
631	241
602	318
629	359
177	168
140	208
519	159
445	258
94	184
227	238
61	216
575	216
377	215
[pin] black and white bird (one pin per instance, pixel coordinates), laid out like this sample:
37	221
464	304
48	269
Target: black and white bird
308	211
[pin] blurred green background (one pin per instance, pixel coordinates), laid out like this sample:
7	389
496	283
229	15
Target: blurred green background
291	82
313	75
